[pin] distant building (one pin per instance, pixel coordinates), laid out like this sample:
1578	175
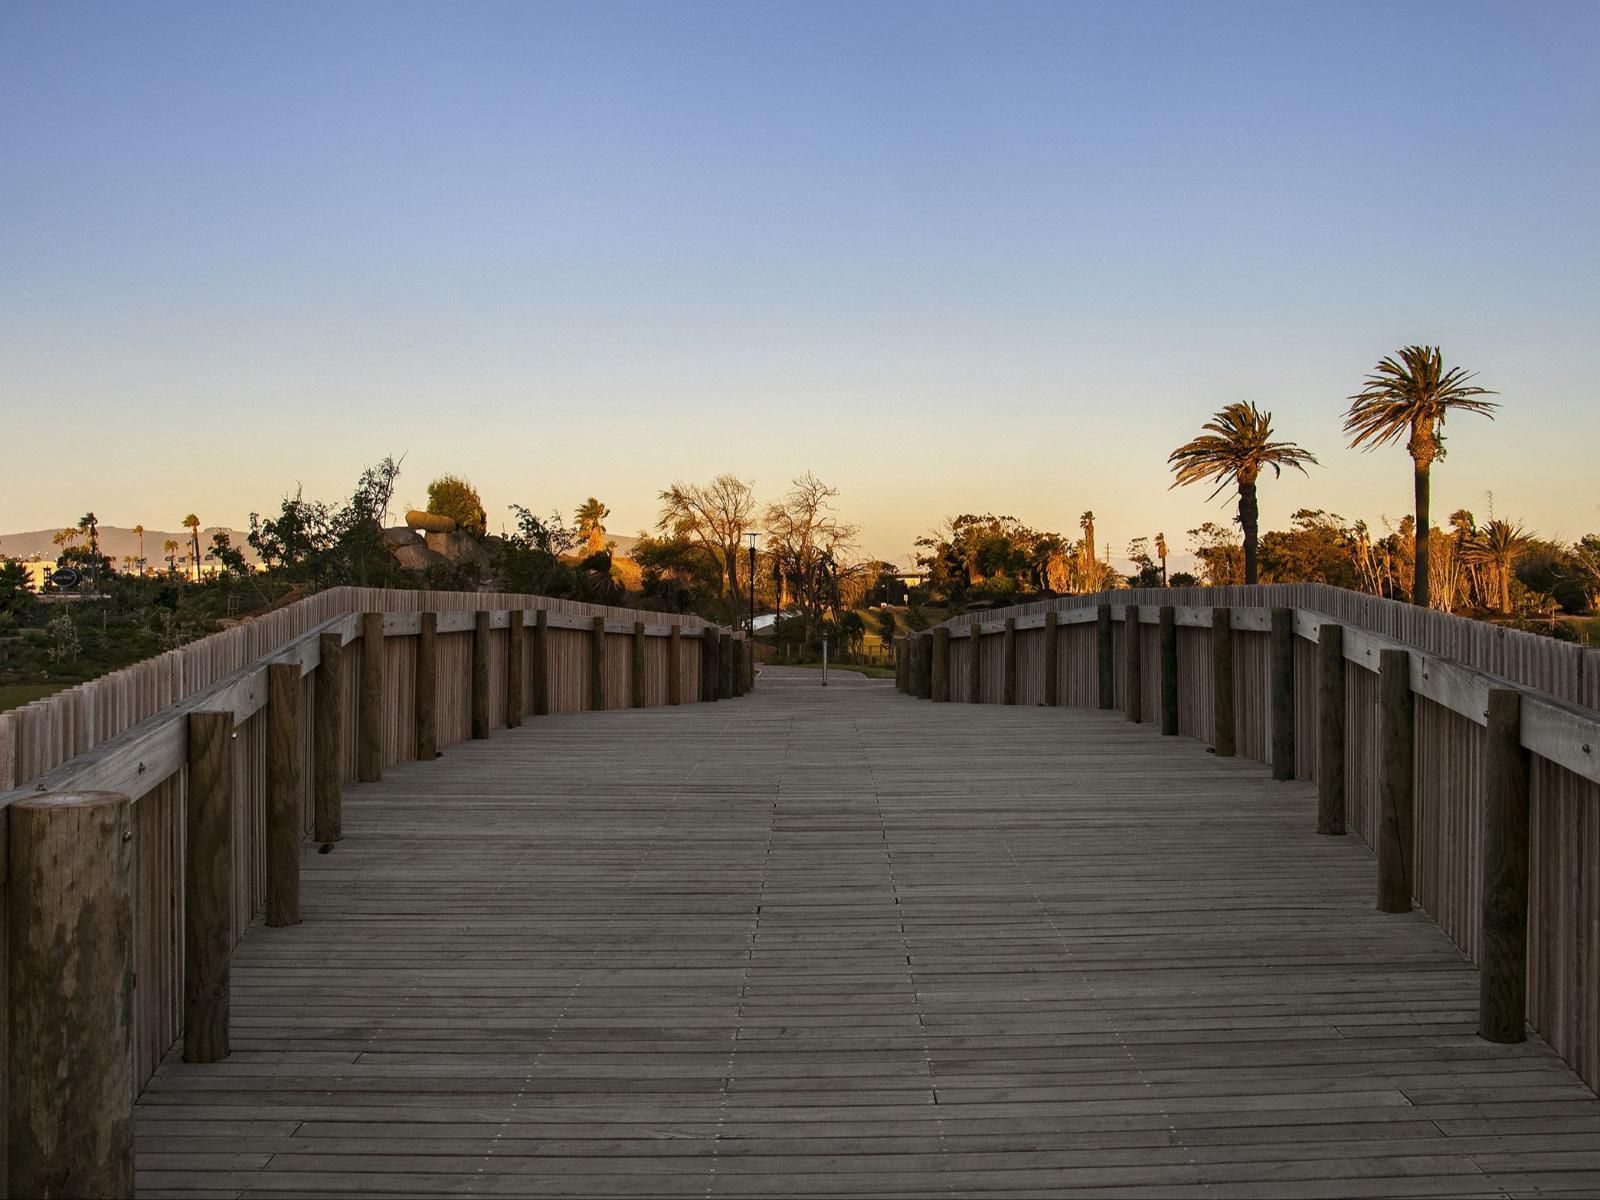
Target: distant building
37	570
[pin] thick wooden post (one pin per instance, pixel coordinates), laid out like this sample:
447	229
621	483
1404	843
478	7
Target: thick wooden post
1008	678
1395	765
675	666
1502	981
636	666
514	656
327	792
69	1115
975	669
369	729
1102	648
1223	729
1169	671
285	827
1052	658
207	886
597	664
725	652
480	675
426	695
540	666
1330	730
710	664
941	664
1282	691
1133	664
922	665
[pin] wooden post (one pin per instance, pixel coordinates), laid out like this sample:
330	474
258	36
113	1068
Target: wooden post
975	674
1502	981
1133	665
1282	691
597	664
540	666
285	828
726	648
327	792
710	664
480	675
514	656
1008	678
941	664
1223	729
636	666
69	1115
1395	759
426	693
749	664
208	886
675	666
1102	621
1052	658
1169	671
369	732
1330	730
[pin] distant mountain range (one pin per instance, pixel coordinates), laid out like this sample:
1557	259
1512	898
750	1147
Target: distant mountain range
117	543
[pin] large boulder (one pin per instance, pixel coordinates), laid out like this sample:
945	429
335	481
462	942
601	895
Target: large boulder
459	549
399	535
416	557
428	522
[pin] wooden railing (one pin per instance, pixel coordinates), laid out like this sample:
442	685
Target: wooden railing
153	814
1467	756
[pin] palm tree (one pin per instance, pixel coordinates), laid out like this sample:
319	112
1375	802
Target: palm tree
1161	553
1410	399
1501	544
192	524
1234	448
170	548
591	516
1086	547
138	531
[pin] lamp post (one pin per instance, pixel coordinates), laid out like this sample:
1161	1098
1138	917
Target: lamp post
752	536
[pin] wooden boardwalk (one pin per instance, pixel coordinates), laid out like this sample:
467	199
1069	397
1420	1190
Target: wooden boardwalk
846	942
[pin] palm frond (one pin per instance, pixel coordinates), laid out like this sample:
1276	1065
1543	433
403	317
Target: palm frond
1414	393
1235	446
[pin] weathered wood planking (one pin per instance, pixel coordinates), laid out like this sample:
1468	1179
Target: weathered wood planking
100	721
846	942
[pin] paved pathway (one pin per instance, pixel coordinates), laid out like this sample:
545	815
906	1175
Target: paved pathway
846	942
775	676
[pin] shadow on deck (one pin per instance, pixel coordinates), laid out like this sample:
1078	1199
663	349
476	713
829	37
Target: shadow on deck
840	942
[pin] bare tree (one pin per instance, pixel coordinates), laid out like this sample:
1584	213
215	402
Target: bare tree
716	516
810	544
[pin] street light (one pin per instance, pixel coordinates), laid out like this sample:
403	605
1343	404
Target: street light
752	536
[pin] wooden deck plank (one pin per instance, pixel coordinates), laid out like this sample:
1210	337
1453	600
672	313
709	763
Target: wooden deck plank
849	943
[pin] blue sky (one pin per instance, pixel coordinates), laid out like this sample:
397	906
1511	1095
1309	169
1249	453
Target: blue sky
951	258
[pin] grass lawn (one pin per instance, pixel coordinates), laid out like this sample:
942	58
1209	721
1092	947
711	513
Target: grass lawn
15	695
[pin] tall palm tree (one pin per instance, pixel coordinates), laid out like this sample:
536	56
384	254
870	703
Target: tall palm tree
591	517
1086	553
1410	399
1501	544
138	531
170	548
1161	553
192	524
1234	447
